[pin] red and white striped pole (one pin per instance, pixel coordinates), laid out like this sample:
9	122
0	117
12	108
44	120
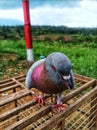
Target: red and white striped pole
27	30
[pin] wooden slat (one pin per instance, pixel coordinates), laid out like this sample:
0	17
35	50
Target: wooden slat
15	111
48	125
80	80
23	86
14	83
5	81
29	119
75	92
9	88
83	77
51	123
66	98
7	84
22	77
13	97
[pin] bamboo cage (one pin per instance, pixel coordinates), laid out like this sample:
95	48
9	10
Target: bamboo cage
20	110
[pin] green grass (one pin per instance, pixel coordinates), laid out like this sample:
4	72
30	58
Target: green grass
84	59
15	47
83	56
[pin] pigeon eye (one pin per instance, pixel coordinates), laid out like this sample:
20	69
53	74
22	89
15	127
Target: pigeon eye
53	67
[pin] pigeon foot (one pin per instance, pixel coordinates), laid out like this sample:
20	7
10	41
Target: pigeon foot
40	99
60	106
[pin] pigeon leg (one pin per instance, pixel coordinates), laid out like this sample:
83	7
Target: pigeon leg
59	104
40	99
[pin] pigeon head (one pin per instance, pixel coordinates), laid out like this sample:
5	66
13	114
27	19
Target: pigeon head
59	62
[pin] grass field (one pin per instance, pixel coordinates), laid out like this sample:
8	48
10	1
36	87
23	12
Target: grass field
13	55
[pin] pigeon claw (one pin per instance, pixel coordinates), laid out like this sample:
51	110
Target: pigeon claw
60	106
40	99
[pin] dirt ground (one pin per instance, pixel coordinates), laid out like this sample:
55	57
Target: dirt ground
11	66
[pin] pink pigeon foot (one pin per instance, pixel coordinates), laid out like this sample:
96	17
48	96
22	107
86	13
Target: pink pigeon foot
60	106
40	99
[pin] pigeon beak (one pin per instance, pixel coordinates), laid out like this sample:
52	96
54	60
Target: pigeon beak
66	77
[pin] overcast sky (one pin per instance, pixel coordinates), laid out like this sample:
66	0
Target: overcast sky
71	13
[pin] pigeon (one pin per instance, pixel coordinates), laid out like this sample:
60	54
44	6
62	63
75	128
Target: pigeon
51	75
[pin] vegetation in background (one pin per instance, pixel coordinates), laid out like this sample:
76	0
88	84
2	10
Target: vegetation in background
13	56
79	44
17	32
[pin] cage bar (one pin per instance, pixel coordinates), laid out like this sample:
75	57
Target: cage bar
19	109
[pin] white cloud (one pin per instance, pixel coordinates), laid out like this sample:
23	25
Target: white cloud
12	14
78	16
82	15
